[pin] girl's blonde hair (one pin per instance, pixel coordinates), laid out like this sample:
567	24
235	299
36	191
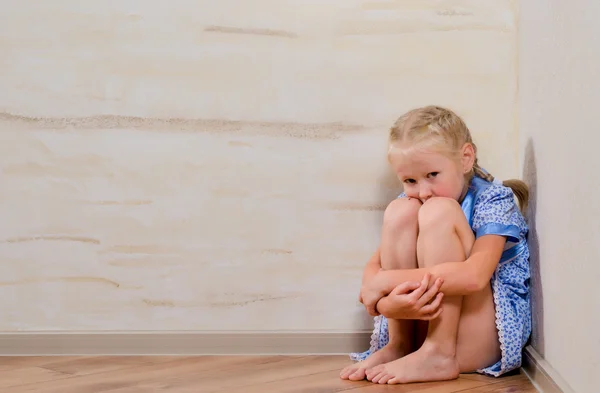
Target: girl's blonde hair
442	128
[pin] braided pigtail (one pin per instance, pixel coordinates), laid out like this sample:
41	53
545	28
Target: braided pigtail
481	173
519	188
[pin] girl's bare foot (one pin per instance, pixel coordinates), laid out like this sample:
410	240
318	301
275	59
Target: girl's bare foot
426	364
358	371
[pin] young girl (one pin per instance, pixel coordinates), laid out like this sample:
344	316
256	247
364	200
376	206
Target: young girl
449	284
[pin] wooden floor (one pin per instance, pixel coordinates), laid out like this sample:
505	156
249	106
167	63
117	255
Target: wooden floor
247	374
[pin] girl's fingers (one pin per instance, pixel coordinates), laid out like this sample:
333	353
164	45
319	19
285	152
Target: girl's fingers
435	304
372	311
432	316
422	288
426	298
405	288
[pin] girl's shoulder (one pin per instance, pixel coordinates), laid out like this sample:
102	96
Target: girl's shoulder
491	194
495	210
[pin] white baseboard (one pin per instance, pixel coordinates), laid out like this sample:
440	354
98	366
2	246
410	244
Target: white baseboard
182	343
542	374
538	370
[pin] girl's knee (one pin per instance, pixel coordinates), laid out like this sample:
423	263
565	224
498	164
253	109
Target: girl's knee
439	210
401	212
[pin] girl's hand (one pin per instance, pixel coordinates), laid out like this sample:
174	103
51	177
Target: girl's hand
413	301
371	292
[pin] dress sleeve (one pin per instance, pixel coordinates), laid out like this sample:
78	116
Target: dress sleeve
496	213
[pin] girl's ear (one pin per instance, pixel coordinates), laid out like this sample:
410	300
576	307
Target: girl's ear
467	157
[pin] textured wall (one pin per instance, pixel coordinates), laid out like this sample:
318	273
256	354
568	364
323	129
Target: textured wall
558	93
220	165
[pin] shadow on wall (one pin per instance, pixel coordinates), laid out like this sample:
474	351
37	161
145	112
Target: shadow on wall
389	186
537	297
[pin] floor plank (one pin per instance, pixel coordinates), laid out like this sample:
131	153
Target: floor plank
24	375
92	364
216	374
262	374
132	376
13	362
520	384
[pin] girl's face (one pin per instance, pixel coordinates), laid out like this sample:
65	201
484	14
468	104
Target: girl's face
426	173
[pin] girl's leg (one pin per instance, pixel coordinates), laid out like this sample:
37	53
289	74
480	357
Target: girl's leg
398	251
444	236
477	345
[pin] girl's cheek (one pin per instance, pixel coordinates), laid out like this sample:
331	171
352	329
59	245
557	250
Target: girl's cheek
410	192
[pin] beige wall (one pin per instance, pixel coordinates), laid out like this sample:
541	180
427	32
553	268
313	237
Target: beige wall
559	137
257	204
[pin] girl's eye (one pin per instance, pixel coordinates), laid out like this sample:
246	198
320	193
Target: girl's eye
409	181
433	174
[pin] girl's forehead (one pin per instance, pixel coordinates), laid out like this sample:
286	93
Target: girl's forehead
418	157
419	161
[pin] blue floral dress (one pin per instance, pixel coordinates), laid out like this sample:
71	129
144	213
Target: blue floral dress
490	209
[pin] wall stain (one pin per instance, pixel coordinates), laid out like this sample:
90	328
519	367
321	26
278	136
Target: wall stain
35	169
52	238
231	299
451	12
140	262
264	298
26	169
250	31
275	251
283	196
73	167
397	27
229	192
87	159
350	206
159	303
332	130
129	202
397	6
41	146
83	279
140	249
239	144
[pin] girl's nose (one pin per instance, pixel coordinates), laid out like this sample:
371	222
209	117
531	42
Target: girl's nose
424	193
